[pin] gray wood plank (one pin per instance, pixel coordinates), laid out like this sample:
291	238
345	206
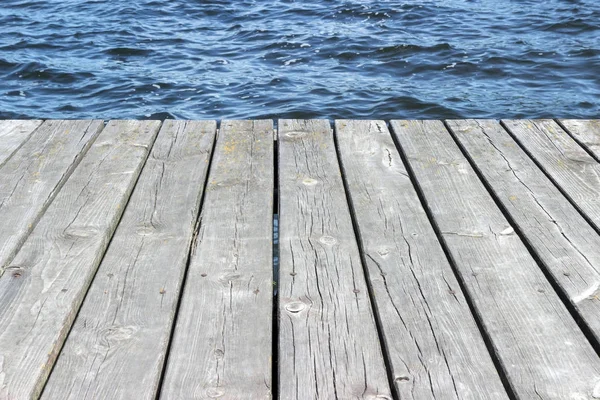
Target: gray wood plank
328	342
434	345
32	177
564	160
46	282
544	353
118	343
566	244
586	132
13	133
222	341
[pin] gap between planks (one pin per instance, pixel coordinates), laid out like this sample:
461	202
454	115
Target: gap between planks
486	251
129	309
275	181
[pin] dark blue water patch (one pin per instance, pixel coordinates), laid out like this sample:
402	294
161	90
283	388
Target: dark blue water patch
127	52
311	59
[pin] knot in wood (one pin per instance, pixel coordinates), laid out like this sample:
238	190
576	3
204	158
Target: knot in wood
328	240
383	252
17	272
215	393
145	230
229	277
295	307
295	134
219	354
80	232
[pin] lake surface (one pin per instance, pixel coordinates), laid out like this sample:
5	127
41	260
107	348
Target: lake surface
331	59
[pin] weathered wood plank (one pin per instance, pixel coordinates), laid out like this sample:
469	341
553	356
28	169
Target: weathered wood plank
222	341
566	244
117	346
328	341
44	286
543	351
434	345
586	132
32	177
13	133
564	160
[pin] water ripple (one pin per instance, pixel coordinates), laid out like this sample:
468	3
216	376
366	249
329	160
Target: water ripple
310	59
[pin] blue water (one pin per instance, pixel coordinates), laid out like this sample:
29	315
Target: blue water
281	58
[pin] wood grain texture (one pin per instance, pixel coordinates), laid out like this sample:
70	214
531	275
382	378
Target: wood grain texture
564	160
566	244
586	132
118	343
434	345
44	286
13	133
222	341
328	342
543	351
32	177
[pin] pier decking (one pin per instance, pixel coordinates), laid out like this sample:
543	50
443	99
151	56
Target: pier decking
414	259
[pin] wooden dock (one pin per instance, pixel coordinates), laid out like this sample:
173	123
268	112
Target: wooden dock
413	259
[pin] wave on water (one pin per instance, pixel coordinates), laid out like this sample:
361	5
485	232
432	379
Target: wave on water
312	59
